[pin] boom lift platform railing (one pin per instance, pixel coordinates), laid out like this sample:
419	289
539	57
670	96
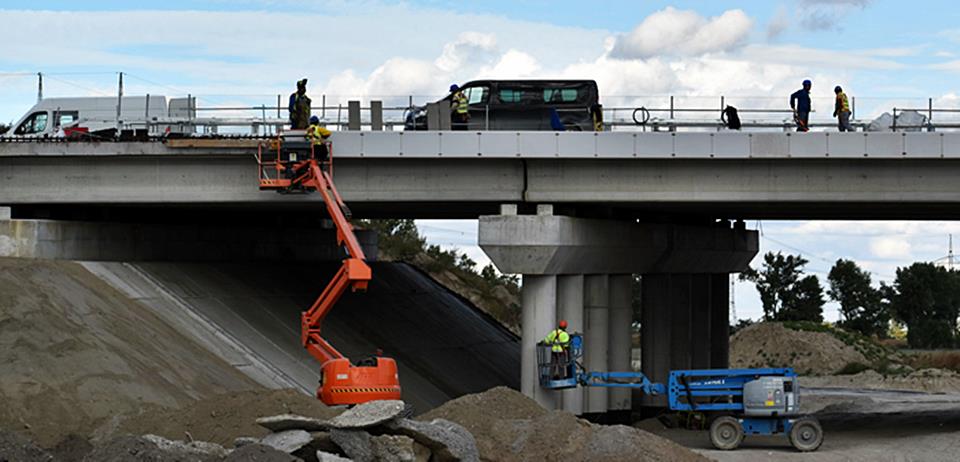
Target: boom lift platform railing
292	164
740	402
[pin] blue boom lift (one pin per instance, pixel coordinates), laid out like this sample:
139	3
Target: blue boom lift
738	402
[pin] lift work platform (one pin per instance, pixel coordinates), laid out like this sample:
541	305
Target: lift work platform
292	164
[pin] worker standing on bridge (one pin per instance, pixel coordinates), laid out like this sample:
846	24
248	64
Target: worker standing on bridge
841	110
800	103
299	107
559	341
318	135
459	109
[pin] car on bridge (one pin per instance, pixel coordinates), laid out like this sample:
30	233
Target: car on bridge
550	105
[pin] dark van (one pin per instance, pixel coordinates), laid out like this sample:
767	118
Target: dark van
523	105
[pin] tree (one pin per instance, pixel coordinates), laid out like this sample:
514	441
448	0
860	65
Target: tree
4	128
926	298
784	294
397	237
861	305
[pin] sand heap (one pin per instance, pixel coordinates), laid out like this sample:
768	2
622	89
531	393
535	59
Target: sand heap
770	344
508	426
76	353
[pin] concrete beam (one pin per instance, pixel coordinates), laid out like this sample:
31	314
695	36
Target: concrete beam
548	244
97	241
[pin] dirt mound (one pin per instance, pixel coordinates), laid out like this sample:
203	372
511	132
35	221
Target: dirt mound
139	449
925	380
76	352
508	426
221	419
73	448
770	344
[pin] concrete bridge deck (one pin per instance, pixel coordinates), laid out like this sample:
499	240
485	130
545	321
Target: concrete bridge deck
464	175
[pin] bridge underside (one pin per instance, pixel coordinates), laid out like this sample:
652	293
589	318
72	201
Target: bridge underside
649	189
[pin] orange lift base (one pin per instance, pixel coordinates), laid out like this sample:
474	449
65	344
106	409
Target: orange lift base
374	378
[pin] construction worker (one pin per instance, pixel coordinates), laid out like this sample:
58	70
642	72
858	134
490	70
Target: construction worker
800	103
318	135
559	341
299	106
459	109
841	110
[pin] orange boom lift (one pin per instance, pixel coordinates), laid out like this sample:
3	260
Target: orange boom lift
290	164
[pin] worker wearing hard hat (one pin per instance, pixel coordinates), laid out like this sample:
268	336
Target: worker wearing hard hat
841	110
318	136
800	103
299	106
459	109
559	341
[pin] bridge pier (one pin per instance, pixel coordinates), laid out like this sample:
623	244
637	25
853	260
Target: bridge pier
581	270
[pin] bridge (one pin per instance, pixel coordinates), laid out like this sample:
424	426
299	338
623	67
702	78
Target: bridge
464	175
575	213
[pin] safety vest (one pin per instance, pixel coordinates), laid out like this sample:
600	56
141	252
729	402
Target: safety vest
317	134
558	339
460	102
843	103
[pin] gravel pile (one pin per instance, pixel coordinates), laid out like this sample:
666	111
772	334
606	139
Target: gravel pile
769	344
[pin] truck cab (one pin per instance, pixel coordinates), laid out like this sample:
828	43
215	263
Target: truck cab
51	116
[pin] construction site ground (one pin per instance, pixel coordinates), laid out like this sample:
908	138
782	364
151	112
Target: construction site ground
93	351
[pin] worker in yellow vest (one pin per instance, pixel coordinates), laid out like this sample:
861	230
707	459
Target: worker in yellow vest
459	109
559	341
318	135
841	110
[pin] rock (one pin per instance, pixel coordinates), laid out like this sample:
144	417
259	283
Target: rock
287	441
283	422
323	456
13	447
245	440
368	414
448	441
394	448
354	443
321	441
259	453
201	448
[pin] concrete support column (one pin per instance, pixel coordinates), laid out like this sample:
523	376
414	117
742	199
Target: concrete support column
619	343
539	305
570	308
720	321
683	324
597	316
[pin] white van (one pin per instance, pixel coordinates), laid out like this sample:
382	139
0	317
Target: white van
50	116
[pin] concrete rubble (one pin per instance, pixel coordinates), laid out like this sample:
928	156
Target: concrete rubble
287	440
368	414
279	423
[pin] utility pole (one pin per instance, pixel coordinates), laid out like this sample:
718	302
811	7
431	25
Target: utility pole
733	300
119	101
39	86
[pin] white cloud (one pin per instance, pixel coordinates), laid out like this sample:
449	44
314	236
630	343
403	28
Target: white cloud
826	15
683	32
469	47
890	248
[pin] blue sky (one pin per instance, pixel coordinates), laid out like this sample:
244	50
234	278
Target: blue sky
753	52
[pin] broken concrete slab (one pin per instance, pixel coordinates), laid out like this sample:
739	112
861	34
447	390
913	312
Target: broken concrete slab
448	441
394	448
368	414
201	448
354	443
283	422
323	456
245	440
321	441
259	453
287	441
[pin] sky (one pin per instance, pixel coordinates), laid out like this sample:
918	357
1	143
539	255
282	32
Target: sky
755	53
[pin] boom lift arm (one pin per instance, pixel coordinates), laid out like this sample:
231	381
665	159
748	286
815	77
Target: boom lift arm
296	167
